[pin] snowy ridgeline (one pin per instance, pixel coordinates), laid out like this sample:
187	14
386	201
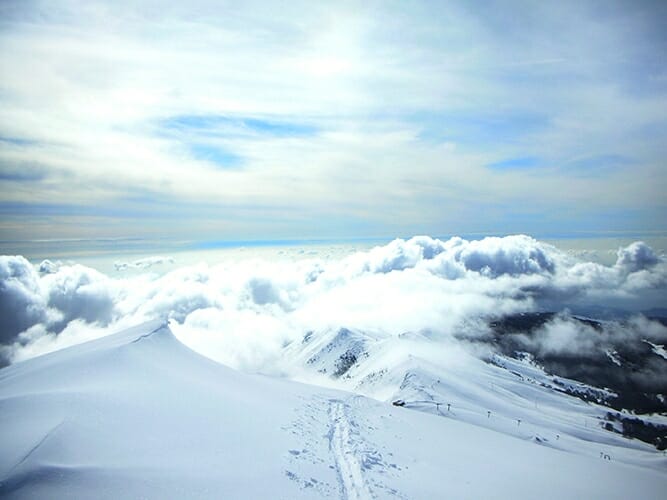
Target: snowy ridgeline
139	415
509	394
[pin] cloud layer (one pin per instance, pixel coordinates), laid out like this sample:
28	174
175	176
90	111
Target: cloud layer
264	120
246	312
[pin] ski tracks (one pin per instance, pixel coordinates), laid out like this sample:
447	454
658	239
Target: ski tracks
354	467
344	445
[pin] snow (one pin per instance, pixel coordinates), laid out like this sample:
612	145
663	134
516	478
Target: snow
658	349
139	415
613	356
511	396
347	458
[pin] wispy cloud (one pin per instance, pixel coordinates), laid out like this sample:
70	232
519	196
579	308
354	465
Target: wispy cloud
596	165
215	155
389	116
237	126
523	162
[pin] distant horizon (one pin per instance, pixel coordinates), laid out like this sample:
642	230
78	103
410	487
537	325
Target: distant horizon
315	239
40	249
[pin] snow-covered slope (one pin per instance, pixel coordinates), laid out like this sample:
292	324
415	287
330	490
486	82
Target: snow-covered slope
514	396
139	415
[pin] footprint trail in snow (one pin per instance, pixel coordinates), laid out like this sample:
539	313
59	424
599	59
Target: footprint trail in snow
343	446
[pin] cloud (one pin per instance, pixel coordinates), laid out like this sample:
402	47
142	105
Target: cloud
21	302
636	257
244	314
172	296
491	257
78	292
565	336
583	348
144	263
526	162
514	255
52	300
309	137
240	338
47	266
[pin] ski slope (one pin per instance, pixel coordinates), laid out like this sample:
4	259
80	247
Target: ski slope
139	415
512	396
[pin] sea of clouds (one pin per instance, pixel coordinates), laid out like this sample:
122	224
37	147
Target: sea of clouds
244	313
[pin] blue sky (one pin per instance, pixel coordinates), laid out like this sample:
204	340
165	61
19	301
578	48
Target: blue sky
212	120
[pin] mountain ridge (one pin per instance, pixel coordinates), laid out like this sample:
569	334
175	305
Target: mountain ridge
139	414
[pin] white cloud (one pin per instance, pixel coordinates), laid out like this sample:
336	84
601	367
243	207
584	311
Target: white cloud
564	337
78	292
636	257
144	263
89	89
243	314
22	303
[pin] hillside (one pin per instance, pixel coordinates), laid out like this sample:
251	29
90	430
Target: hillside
139	415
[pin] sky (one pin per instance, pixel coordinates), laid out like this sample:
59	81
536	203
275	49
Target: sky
281	120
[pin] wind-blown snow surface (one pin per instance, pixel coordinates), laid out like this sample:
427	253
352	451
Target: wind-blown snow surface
139	415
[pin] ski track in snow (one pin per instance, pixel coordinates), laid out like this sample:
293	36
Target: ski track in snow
342	446
349	464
